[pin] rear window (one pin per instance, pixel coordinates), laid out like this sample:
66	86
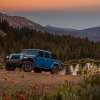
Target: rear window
54	56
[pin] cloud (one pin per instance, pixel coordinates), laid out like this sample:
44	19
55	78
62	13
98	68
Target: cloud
45	5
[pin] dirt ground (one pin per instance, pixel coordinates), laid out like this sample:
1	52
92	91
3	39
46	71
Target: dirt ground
40	81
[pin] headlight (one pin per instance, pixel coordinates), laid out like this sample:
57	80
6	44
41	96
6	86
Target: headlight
25	57
7	57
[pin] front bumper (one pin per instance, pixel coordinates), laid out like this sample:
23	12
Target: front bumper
13	63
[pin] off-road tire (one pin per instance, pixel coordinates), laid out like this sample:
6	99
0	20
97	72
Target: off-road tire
55	69
27	66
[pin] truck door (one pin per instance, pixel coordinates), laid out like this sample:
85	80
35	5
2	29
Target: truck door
40	59
48	60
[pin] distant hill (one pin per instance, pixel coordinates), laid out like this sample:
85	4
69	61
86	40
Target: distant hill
59	30
18	21
92	34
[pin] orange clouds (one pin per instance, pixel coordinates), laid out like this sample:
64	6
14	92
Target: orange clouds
38	5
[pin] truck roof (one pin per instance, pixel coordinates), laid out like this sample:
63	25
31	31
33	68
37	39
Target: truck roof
37	50
16	54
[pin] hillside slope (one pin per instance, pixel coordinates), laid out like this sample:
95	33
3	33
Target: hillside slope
92	34
18	21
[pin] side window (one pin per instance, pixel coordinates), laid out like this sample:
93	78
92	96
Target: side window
47	55
41	54
54	56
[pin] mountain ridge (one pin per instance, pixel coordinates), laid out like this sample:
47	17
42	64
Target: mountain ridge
19	21
93	33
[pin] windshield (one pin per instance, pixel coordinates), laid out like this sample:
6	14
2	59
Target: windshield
15	57
30	52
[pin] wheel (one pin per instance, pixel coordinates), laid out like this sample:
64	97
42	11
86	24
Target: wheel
27	66
55	69
9	68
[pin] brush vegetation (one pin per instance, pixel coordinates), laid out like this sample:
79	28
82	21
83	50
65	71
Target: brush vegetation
88	89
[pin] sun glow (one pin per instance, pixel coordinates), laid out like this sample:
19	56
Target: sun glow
38	5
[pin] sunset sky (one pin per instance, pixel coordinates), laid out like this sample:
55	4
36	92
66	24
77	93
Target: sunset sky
62	13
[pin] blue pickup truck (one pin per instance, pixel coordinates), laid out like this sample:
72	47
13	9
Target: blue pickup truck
34	59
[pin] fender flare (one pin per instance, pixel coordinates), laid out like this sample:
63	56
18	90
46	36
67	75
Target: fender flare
55	63
28	59
60	65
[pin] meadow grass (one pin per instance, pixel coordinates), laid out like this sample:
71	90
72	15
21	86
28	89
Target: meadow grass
89	89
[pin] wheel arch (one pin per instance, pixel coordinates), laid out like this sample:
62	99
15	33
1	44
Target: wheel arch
57	64
28	59
54	64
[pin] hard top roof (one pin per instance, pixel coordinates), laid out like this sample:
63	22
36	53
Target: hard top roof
37	50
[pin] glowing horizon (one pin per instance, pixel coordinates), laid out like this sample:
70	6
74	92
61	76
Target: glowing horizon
76	14
45	5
